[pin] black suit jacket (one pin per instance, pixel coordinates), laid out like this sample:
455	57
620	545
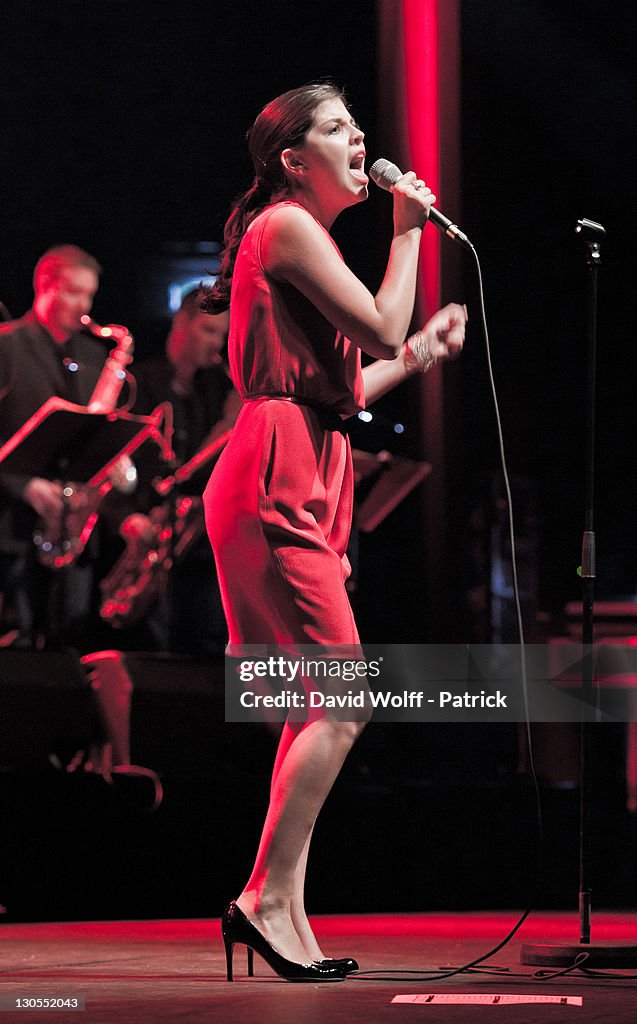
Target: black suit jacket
32	370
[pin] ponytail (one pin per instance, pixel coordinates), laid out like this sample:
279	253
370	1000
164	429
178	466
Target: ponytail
216	298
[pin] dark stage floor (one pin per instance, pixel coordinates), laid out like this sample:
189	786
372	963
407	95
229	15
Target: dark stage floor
151	972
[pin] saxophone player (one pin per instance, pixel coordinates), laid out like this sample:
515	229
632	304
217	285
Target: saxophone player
44	354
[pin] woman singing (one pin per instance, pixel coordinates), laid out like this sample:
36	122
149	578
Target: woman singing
279	503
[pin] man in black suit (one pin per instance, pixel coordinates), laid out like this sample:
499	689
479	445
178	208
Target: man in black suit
43	354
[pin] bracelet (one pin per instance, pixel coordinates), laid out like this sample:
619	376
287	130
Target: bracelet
418	357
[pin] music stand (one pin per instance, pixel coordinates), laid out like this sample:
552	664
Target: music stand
396	476
66	441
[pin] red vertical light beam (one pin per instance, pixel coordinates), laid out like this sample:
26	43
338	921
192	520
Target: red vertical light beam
420	42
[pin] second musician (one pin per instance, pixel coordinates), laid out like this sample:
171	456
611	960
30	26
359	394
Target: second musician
192	376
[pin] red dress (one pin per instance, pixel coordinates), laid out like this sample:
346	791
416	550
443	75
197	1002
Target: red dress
279	502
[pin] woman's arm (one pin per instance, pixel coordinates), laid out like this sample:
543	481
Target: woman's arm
441	338
296	250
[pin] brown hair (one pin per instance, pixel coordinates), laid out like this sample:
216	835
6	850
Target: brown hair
283	122
59	258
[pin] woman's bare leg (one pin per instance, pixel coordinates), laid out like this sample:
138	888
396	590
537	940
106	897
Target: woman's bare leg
297	906
302	926
305	769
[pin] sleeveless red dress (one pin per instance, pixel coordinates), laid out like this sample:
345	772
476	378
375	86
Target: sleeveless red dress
279	502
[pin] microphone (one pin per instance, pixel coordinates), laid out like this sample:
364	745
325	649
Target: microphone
385	175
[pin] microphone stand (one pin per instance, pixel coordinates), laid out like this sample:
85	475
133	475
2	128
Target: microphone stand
606	954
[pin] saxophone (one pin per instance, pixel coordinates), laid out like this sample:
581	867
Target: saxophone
140	575
111	380
61	541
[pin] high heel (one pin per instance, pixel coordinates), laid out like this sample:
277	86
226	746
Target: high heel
345	964
236	927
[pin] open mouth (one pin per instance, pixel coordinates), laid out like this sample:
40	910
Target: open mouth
356	168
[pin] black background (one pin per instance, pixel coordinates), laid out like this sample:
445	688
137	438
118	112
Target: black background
123	131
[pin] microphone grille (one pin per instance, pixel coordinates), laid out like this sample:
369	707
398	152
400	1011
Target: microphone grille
384	173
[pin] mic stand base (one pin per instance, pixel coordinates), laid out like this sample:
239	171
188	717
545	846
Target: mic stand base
600	955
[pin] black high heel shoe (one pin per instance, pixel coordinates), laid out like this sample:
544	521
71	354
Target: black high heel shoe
345	964
236	927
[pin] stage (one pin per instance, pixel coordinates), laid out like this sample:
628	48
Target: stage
149	972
